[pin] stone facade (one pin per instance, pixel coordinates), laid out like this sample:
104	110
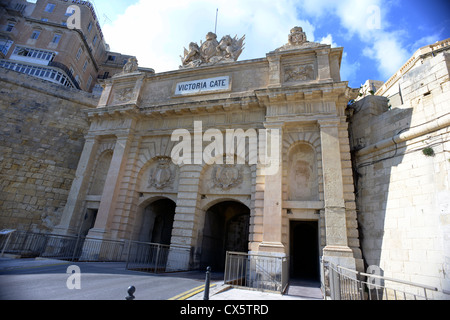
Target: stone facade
42	135
402	167
295	90
113	163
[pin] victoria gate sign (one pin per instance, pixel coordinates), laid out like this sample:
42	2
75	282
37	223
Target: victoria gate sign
203	86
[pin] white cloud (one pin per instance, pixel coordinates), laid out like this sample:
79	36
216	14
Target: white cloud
365	20
157	32
328	39
388	52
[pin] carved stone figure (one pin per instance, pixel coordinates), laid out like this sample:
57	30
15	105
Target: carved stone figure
192	58
208	48
162	176
131	65
230	48
211	51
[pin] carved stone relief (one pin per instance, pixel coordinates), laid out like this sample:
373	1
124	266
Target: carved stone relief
226	176
302	174
162	175
299	73
123	95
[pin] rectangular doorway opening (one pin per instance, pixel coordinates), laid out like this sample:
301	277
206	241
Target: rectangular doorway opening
304	250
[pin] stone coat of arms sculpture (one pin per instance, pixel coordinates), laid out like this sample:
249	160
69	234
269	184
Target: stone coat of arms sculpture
226	176
162	176
212	51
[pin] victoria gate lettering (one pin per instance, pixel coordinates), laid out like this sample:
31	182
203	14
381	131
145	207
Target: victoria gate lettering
203	85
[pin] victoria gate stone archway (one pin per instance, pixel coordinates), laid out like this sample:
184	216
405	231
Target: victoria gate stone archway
157	221
226	229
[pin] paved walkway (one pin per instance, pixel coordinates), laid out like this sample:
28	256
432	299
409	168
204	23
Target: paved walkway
298	290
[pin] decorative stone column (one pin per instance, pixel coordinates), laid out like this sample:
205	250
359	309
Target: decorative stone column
72	211
336	249
112	187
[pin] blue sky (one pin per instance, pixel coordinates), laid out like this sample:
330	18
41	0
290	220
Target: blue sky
378	36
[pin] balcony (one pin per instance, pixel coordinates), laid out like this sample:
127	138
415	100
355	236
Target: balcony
52	73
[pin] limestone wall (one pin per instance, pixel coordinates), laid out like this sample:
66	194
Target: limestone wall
403	195
42	130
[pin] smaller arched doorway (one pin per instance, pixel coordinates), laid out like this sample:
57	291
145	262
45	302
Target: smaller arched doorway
157	222
226	228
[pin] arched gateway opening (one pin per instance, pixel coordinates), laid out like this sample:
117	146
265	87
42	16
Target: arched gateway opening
157	222
226	229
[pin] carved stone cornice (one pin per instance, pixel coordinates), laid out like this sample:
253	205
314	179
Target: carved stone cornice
310	91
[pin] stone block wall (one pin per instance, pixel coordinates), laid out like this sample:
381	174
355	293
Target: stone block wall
403	195
42	128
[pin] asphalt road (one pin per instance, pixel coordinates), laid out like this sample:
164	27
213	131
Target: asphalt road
96	281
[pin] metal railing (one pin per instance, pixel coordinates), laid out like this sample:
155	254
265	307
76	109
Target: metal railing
155	257
341	283
256	271
72	248
142	256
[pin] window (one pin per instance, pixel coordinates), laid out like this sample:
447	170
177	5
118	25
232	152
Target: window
44	19
89	83
89	28
34	53
80	51
56	38
94	41
85	65
50	7
10	26
111	58
35	34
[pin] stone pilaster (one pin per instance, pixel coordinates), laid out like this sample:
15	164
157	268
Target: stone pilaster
273	200
72	210
112	187
336	249
323	64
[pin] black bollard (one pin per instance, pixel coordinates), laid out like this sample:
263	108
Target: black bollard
207	281
131	290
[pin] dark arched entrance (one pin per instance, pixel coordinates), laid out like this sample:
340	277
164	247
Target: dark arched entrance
226	229
157	222
304	249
